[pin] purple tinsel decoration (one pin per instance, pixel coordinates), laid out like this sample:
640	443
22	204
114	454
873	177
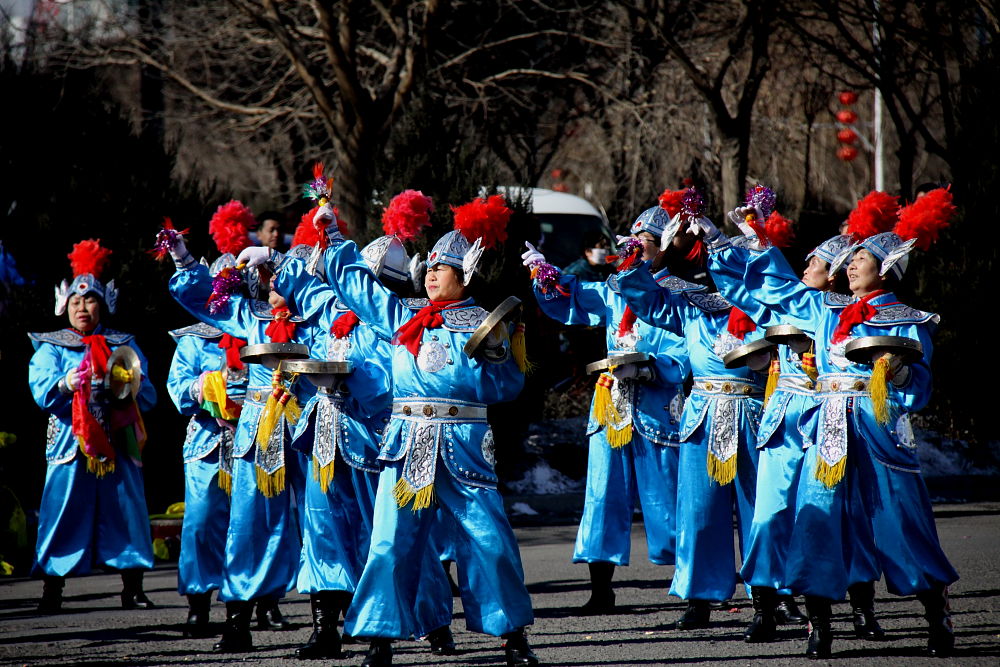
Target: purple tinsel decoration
165	240
225	283
629	246
316	189
547	277
761	197
692	204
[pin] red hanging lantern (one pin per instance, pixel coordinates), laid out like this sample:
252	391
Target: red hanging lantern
848	97
847	136
556	174
846	116
847	153
560	187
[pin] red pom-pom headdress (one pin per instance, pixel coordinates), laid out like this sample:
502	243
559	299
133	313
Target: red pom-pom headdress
484	219
89	257
670	201
780	231
874	214
407	215
230	227
924	219
87	261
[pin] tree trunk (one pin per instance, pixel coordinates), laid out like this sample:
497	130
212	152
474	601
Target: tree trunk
730	172
353	186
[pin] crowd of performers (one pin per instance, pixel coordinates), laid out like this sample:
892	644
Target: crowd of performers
732	394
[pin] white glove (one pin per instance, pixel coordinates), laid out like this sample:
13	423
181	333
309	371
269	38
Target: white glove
898	373
703	227
324	216
178	251
532	256
632	372
74	377
738	216
253	256
620	240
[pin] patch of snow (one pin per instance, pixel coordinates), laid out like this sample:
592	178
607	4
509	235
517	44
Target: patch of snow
523	509
543	479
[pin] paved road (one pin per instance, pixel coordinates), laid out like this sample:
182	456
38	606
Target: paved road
94	631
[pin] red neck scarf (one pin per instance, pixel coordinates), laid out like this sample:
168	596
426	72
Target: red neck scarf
344	325
428	317
281	329
739	323
99	353
697	254
232	347
856	313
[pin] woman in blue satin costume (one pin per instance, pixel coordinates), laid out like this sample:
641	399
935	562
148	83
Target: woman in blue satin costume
263	540
879	503
340	430
718	433
437	446
645	469
87	517
777	554
208	448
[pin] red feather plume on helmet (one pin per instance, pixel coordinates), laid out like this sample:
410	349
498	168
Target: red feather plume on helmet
780	231
407	214
670	201
924	219
89	257
874	214
230	227
483	218
306	232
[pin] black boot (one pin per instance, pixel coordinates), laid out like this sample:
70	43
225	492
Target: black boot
199	605
517	651
132	594
269	616
763	626
820	633
456	592
379	654
236	637
324	642
787	612
937	611
52	589
602	597
862	597
442	641
696	615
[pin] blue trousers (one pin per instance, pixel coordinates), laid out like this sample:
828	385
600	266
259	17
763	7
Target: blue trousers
642	472
706	560
203	534
905	535
262	545
84	520
490	574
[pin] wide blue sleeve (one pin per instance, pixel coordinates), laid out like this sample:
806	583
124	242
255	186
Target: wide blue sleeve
49	365
192	287
651	302
728	268
586	304
185	371
671	361
914	394
146	398
306	295
374	303
771	281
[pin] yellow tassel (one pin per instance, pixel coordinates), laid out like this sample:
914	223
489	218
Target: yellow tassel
270	417
773	373
830	475
809	365
605	411
226	482
878	390
323	474
292	410
722	472
519	348
618	438
404	493
160	549
99	467
270	485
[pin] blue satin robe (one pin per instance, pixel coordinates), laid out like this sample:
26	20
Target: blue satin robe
263	542
207	445
84	520
644	470
347	424
723	424
455	455
886	513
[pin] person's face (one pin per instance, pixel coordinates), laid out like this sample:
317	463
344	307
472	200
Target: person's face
862	274
650	245
84	312
273	298
270	233
442	284
815	274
